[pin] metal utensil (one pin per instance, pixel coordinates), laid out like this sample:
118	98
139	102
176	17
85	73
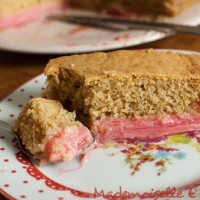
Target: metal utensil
6	127
126	24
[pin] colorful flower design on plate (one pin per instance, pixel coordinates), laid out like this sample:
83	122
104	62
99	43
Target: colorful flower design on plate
160	151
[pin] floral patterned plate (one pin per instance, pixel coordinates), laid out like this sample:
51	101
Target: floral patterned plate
44	36
163	168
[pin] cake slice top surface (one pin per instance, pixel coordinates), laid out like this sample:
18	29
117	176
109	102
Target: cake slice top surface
128	62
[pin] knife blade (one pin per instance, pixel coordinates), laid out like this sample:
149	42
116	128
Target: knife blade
126	24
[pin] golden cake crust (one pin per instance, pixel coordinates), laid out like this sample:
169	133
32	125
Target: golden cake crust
139	63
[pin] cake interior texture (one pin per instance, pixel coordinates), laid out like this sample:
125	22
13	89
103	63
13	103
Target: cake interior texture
40	121
125	84
9	6
16	13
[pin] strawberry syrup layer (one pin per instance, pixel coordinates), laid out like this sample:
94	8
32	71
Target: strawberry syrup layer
67	144
113	130
23	17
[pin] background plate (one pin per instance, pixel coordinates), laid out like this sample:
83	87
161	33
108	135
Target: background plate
60	38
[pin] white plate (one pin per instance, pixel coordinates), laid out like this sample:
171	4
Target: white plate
57	37
171	163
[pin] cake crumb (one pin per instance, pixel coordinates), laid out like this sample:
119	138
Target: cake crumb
113	154
72	65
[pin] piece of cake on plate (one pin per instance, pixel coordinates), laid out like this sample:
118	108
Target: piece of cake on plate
124	7
51	133
19	12
128	94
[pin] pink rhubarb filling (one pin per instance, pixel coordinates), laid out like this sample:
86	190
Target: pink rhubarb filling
109	130
23	17
70	142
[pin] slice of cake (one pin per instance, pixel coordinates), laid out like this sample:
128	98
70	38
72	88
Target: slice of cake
124	7
15	13
51	133
129	94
